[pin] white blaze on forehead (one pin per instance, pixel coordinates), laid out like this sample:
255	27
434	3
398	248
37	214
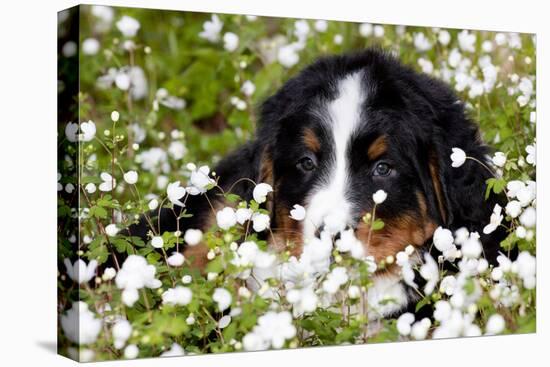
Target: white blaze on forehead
328	204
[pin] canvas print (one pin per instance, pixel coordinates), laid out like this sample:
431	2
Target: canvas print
236	183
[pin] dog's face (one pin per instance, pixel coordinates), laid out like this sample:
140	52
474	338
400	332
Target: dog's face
349	126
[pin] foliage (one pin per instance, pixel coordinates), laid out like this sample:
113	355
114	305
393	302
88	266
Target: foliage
163	92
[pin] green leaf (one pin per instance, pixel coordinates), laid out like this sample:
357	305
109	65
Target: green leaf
98	212
377	225
423	302
232	198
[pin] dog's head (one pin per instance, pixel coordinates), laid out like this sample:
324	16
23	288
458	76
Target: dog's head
350	125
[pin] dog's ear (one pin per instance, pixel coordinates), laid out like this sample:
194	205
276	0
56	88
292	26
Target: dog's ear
461	190
250	163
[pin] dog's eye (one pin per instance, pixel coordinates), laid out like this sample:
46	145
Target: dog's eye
306	164
382	169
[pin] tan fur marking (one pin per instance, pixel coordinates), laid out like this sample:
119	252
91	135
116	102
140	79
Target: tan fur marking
377	148
409	228
197	255
288	233
312	141
434	174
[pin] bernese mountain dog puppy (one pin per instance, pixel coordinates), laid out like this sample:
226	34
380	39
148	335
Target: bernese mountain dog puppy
343	128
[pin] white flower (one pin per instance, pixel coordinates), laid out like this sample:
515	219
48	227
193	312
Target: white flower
128	26
177	150
211	29
448	285
190	320
420	329
192	236
79	271
404	323
130	296
287	55
223	298
354	292
526	193
108	182
525	265
487	46
379	196
179	296
248	88
176	259
175	192
153	204
467	41
349	243
186	279
533	117
80	324
522	100
111	229
226	218
442	310
108	274
495	220
90	46
458	157
499	159
443	239
430	272
365	29
131	351
531	154
243	214
426	65
298	213
157	242
90	188
526	86
260	222
153	160
495	325
529	217
122	330
135	274
175	351
521	232
131	177
471	248
88	130
230	41
444	37
224	321
320	26
336	278
260	192
338	39
273	329
421	42
104	15
500	39
513	208
378	30
513	187
199	180
303	300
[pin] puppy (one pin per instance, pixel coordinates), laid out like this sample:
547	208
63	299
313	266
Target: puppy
343	128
